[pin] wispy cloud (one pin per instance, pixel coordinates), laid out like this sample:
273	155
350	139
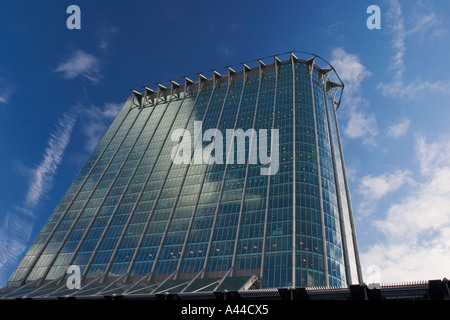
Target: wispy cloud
394	15
105	35
336	30
361	124
6	89
4	95
15	231
16	226
433	153
425	23
399	89
399	129
82	64
42	175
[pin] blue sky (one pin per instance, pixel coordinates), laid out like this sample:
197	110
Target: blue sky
61	88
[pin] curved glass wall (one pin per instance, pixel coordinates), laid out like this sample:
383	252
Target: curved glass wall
133	212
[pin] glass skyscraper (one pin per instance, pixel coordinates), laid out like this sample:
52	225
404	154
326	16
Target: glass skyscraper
136	221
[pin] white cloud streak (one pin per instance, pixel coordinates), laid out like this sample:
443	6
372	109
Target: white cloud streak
42	175
398	89
398	41
425	23
16	227
81	64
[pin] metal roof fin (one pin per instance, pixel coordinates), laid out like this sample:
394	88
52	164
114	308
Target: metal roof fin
294	57
149	90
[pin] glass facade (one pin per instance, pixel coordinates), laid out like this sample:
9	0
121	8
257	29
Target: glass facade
132	211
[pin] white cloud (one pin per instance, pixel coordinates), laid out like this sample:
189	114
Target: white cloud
349	69
399	129
82	64
427	209
360	124
42	175
417	227
376	187
373	188
410	262
394	16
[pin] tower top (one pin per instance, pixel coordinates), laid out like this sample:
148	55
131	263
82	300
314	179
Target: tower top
326	71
